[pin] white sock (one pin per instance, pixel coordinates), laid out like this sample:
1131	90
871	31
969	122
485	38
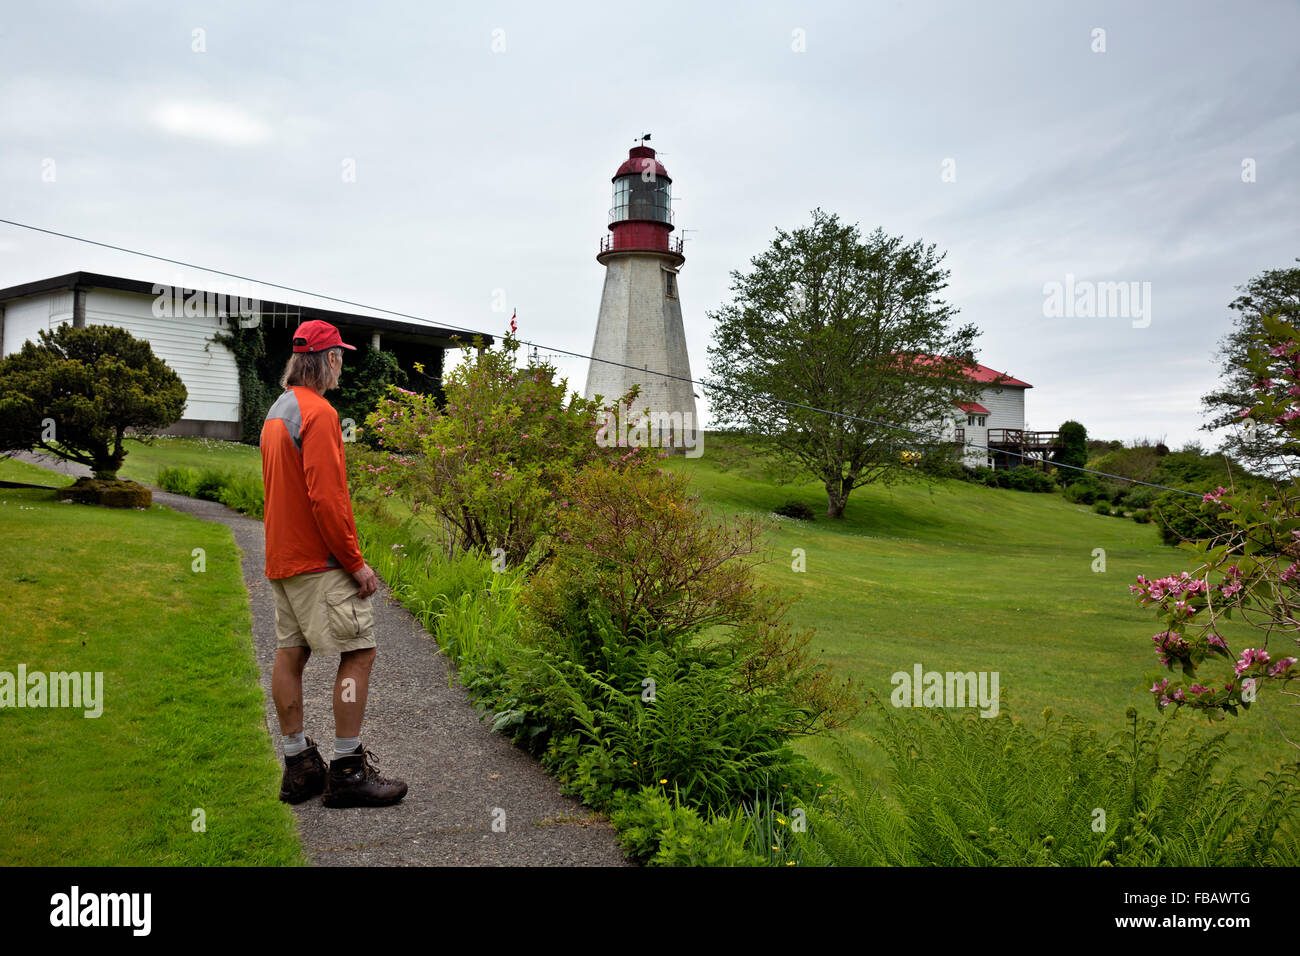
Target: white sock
294	744
344	746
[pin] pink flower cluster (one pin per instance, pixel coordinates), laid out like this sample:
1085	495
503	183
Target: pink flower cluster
1258	657
1193	696
1159	589
1249	658
1281	667
1171	646
1159	688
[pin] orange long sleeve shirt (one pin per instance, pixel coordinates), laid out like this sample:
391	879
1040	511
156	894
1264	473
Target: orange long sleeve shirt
308	513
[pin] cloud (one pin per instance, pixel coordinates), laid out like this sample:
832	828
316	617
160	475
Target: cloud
216	122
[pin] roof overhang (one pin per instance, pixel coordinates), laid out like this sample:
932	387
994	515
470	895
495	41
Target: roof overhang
395	329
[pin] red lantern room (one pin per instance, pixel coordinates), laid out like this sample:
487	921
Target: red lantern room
642	214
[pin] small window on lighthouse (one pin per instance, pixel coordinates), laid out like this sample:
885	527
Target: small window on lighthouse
670	283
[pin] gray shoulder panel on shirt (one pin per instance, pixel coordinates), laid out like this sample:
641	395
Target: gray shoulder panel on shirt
286	409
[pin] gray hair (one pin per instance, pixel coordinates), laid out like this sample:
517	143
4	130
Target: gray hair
311	369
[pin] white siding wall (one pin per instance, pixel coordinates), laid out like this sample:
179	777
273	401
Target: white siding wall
184	343
208	370
975	435
23	317
1006	407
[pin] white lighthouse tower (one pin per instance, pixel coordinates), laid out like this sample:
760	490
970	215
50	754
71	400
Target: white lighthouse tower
640	328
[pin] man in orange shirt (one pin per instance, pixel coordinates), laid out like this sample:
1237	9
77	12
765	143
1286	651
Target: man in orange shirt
322	584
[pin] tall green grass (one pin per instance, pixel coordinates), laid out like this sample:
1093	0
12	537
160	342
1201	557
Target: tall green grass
234	489
969	791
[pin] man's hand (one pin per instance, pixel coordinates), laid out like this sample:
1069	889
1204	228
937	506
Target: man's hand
367	581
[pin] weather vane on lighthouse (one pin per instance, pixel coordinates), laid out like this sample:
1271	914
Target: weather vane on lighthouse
639	335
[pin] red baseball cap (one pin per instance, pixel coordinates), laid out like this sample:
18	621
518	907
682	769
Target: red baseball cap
317	336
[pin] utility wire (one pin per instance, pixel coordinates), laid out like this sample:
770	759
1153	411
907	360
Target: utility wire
555	350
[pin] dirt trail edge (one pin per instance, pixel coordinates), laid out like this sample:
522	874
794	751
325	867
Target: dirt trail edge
463	777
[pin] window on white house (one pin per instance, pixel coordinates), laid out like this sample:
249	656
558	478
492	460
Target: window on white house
670	283
976	420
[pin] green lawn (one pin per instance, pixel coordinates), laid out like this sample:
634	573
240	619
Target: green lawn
963	577
144	459
11	470
100	590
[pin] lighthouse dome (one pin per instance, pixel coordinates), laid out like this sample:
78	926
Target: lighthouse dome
640	159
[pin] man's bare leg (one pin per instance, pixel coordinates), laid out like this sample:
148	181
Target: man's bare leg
286	687
351	687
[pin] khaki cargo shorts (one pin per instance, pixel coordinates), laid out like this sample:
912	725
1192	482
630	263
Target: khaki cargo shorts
322	611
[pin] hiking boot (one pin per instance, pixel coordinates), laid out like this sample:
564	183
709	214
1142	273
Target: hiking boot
353	781
304	775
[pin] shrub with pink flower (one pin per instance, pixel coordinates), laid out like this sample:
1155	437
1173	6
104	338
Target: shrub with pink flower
1247	574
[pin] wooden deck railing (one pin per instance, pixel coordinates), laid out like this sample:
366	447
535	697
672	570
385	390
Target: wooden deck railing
1019	437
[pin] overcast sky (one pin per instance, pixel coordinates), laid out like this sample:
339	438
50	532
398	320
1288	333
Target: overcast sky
481	169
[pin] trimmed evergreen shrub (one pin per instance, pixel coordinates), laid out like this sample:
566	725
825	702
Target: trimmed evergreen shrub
116	493
1074	451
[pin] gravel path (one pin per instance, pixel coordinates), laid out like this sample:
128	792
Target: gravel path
462	775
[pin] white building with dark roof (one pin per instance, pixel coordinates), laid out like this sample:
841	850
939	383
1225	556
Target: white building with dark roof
179	325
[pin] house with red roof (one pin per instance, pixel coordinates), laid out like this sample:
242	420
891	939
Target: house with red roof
992	429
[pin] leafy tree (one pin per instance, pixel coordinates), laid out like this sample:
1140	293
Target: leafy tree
1259	445
1074	450
830	320
77	393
